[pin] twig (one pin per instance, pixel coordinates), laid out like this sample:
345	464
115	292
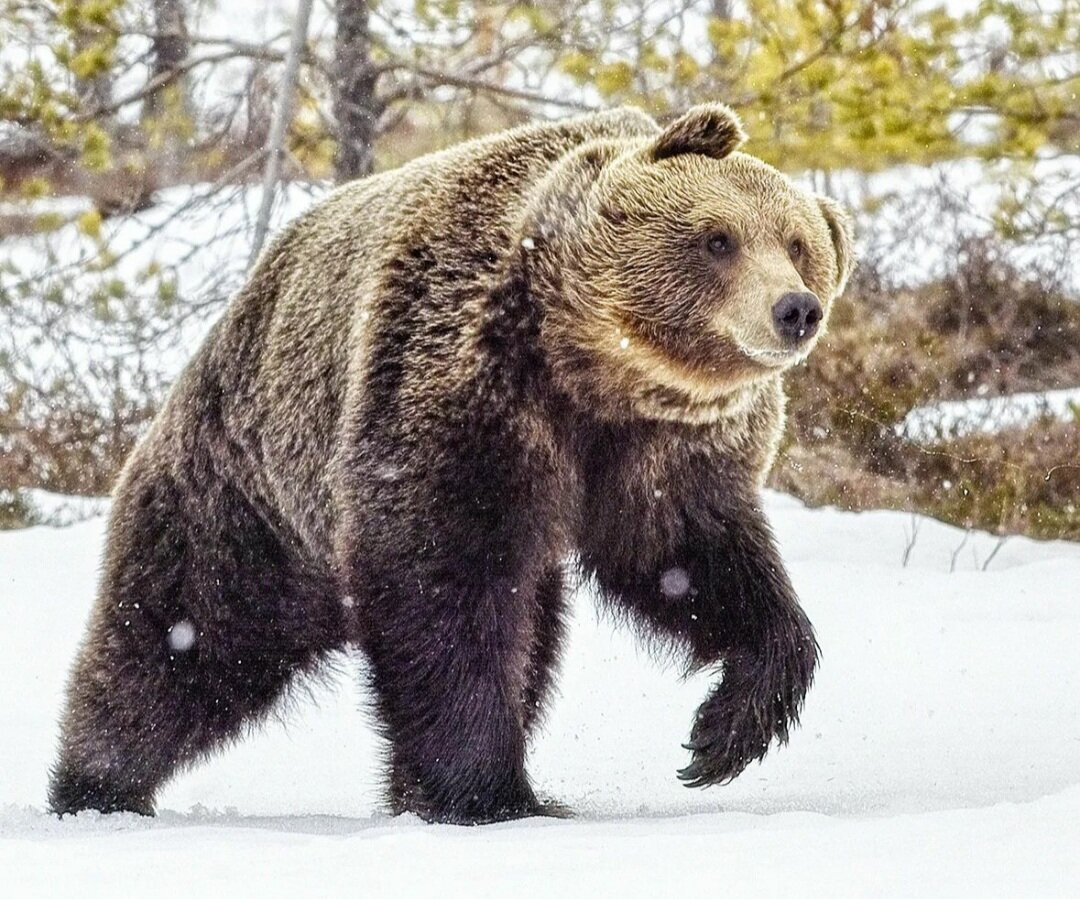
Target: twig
997	547
956	552
912	536
478	84
167	78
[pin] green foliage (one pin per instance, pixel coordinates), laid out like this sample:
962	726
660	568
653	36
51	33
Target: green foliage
75	42
865	84
848	83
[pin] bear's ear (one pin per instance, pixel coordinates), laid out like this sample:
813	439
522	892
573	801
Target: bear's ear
841	230
712	129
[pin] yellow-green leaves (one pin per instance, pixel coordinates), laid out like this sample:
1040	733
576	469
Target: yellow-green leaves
614	78
95	147
89	223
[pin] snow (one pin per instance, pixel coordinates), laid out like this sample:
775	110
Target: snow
939	752
59	510
989	415
181	636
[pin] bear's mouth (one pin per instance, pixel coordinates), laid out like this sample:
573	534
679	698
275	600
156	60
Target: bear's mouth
702	366
767	356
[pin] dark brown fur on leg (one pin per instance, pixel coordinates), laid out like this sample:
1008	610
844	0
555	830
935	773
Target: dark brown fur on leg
548	637
199	626
447	624
549	616
447	556
702	571
448	664
459	748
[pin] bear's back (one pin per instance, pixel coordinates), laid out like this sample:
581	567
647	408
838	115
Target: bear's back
294	340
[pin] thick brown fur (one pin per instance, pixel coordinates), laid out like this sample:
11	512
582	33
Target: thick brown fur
437	386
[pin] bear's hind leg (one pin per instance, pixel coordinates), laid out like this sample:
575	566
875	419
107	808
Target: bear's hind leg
200	623
549	632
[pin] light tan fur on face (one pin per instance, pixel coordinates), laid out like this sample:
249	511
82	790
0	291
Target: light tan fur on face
644	296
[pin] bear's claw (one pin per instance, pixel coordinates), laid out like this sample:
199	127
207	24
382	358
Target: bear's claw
755	704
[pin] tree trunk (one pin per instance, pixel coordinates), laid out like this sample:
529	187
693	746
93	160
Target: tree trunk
722	65
356	108
169	48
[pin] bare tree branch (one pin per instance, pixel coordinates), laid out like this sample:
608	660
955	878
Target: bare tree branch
275	147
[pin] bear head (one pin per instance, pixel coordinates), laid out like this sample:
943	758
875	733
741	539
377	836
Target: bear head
681	271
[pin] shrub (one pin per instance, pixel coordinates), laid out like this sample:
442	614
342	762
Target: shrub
984	331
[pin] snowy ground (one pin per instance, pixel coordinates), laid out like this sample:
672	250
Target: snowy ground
940	751
989	415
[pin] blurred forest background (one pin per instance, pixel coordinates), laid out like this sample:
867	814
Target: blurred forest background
133	138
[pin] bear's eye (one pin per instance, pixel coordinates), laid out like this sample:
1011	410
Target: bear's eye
720	244
797	249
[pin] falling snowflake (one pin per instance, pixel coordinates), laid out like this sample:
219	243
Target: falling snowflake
181	636
675	583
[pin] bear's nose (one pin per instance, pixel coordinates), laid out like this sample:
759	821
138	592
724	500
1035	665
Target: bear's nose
796	316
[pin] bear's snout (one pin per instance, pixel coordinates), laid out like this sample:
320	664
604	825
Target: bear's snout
796	316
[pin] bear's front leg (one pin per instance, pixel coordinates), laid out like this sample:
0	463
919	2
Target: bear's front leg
708	577
444	552
447	662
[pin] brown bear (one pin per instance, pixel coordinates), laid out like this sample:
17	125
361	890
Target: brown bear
561	341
